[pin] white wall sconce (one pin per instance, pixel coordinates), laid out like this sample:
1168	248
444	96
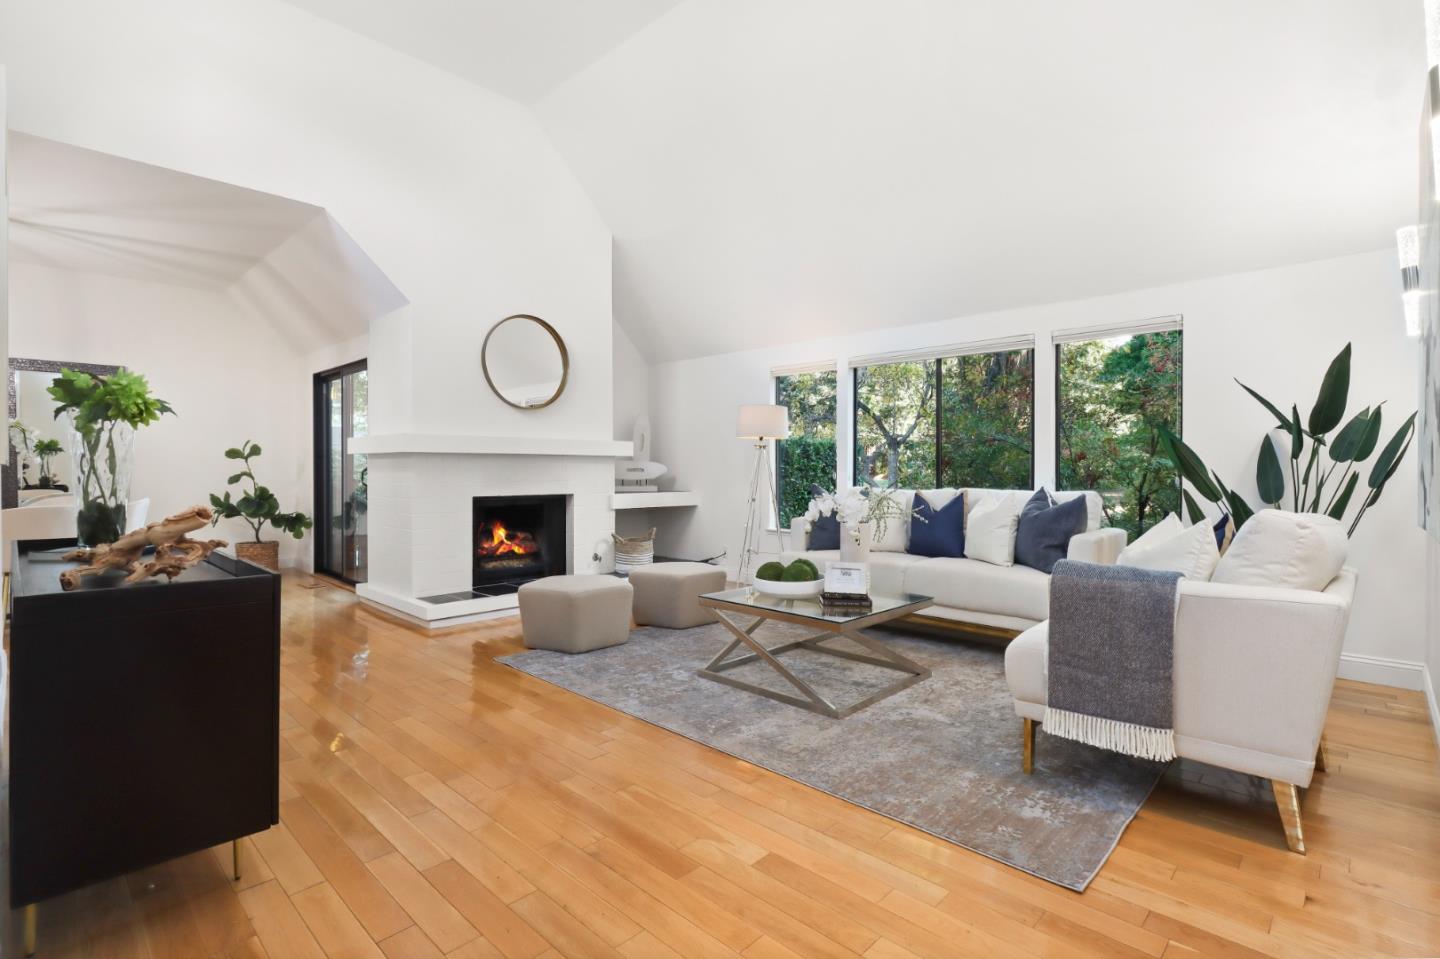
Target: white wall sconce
1407	240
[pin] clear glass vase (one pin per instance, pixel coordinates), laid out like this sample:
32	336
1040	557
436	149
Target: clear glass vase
103	461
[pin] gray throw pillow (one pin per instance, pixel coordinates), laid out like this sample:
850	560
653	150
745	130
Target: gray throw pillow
825	531
1046	527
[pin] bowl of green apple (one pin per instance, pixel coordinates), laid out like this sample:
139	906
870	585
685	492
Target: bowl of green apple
800	579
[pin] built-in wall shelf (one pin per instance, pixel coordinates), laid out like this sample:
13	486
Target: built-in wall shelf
653	500
405	443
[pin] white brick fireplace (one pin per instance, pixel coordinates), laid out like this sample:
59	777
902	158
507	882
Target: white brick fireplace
421	494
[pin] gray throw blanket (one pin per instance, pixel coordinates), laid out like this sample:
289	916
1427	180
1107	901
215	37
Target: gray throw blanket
1112	645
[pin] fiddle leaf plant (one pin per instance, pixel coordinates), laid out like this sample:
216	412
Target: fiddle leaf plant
1352	446
257	506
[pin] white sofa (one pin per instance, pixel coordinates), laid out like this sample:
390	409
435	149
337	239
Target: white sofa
1001	599
1254	668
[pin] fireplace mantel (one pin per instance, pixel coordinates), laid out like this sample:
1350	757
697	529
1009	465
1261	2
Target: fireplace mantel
392	444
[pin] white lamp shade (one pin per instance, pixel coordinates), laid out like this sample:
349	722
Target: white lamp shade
763	422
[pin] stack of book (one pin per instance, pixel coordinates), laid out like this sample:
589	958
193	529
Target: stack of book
845	601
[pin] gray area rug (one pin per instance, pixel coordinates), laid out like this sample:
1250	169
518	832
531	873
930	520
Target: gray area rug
942	756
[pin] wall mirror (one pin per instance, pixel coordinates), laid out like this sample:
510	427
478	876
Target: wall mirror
525	362
32	477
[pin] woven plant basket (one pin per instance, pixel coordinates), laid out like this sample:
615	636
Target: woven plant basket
633	551
265	554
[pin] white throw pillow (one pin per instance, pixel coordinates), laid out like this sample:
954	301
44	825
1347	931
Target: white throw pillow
897	528
990	528
1280	548
1168	545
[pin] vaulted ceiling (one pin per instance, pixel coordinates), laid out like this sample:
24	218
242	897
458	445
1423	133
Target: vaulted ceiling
775	170
519	48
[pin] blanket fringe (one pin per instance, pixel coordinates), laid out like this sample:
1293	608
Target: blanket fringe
1144	742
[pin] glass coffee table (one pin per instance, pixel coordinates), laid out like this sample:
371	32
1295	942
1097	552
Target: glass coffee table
733	607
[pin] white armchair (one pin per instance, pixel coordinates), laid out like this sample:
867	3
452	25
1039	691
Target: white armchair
1254	669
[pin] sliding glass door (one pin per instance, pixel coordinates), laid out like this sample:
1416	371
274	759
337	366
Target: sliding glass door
342	407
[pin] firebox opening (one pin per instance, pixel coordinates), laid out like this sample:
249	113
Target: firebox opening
516	539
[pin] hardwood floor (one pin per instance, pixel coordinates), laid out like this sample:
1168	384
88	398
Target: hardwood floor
434	803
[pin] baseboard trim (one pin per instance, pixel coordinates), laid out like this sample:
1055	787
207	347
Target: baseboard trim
1400	673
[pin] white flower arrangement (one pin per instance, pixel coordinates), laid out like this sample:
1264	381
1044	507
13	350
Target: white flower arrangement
853	507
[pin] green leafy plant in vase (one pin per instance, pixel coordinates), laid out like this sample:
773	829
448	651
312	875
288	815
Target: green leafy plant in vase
104	412
1310	488
257	506
47	449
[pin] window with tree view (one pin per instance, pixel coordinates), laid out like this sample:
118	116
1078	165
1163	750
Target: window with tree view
950	422
808	455
1112	394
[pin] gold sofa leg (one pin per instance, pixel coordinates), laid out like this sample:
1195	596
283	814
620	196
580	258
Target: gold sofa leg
1027	735
32	919
1287	798
1322	763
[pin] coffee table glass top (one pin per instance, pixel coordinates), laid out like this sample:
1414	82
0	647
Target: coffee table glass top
748	598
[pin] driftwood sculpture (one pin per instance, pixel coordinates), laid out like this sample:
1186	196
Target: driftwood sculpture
174	551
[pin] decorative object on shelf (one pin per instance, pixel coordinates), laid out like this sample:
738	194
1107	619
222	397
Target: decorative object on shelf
1350	447
174	551
799	580
525	362
761	423
46	450
639	473
104	412
632	552
256	507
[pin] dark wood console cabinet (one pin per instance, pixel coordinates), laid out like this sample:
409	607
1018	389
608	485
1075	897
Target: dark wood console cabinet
143	719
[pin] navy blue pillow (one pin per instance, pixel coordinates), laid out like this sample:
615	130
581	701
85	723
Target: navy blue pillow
1043	538
937	532
825	531
1221	529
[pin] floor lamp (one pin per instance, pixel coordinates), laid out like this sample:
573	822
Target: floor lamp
761	423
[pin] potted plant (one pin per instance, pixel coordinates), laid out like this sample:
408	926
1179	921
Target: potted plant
47	449
104	412
859	511
256	506
1309	487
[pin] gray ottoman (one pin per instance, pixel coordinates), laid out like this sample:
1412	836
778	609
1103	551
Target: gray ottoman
668	594
575	614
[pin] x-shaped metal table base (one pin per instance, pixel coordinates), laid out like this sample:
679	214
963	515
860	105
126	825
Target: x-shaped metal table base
809	698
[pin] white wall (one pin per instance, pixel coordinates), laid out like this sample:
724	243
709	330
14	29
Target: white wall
1274	329
632	384
225	374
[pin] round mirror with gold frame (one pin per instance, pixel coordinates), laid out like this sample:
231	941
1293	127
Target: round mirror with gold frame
525	362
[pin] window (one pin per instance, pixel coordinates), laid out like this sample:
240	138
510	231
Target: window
956	421
808	455
987	420
1111	394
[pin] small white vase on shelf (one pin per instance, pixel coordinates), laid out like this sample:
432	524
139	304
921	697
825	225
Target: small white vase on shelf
855	543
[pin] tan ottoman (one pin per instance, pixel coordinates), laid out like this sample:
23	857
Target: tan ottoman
575	614
668	594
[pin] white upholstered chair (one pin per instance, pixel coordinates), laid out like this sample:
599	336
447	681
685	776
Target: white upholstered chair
1253	671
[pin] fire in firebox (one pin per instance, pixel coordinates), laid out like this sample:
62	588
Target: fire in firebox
497	540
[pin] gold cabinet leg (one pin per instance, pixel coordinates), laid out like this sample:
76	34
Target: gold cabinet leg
235	857
1027	734
1322	763
32	919
1287	798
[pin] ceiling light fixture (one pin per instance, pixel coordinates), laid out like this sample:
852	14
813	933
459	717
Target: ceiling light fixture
1407	240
